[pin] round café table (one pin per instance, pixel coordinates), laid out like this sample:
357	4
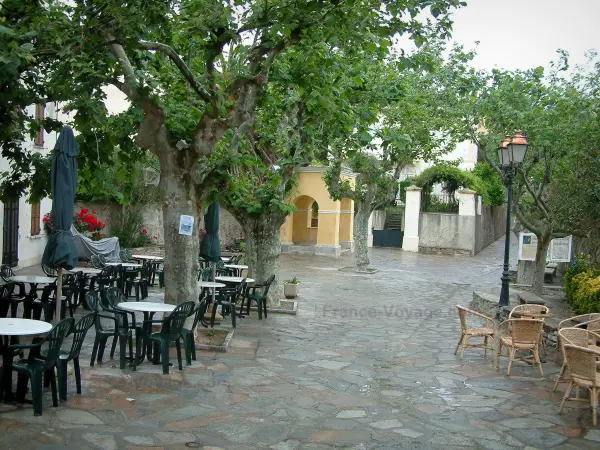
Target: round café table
149	309
237	267
33	281
148	257
155	262
125	265
86	270
15	327
236	280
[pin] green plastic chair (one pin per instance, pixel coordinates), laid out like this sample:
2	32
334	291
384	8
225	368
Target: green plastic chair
126	324
260	299
35	366
172	331
79	331
188	333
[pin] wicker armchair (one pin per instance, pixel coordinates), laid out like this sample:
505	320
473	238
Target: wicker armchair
528	309
573	336
588	321
522	334
486	332
583	369
531	311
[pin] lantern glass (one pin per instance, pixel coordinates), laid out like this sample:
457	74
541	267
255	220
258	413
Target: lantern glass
503	156
517	152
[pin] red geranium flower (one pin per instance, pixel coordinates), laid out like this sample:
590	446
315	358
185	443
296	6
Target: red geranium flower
144	231
93	212
84	210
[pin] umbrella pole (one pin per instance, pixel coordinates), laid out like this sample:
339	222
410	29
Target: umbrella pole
59	295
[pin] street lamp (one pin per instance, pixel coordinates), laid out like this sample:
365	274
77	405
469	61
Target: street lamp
511	154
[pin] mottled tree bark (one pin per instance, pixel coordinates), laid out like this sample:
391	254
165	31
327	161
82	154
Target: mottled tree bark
181	251
361	235
263	248
540	263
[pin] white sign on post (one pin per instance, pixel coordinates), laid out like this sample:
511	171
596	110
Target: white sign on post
527	246
186	225
559	251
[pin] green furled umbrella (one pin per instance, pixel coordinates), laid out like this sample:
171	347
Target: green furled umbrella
210	249
61	252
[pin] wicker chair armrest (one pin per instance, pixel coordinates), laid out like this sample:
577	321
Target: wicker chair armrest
489	322
585	324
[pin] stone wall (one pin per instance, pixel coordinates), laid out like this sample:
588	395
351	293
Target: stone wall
152	218
491	225
229	228
451	234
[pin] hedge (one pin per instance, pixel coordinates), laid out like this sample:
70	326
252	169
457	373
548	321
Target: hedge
582	287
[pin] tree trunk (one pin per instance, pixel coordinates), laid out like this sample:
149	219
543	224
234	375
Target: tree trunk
540	263
361	235
181	251
263	248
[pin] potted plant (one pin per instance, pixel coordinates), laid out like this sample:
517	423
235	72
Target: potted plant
291	288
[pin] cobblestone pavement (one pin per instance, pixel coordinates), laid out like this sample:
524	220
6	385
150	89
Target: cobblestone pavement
366	364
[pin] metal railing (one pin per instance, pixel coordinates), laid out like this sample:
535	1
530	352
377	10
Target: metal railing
441	203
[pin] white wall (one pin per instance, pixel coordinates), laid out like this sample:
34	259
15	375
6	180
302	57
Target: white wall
31	247
465	151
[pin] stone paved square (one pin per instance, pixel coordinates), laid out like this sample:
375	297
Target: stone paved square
366	364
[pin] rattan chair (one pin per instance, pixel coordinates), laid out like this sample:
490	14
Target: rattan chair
588	321
487	331
531	311
573	336
581	362
523	334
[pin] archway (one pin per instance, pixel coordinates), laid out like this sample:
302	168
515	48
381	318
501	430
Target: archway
305	227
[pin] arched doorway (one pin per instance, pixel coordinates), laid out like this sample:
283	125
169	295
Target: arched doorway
305	221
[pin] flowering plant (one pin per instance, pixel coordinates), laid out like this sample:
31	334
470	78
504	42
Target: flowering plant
84	222
48	223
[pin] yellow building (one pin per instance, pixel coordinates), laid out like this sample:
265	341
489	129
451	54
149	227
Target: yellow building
320	225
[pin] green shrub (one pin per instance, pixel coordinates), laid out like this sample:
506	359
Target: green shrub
579	265
586	292
492	182
130	230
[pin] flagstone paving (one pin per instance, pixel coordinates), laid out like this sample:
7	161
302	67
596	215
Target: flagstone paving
366	364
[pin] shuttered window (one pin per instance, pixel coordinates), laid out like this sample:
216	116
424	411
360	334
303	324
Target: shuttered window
35	219
39	115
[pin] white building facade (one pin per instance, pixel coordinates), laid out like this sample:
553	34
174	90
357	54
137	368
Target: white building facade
23	238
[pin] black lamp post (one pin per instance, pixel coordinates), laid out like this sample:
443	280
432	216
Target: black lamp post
511	154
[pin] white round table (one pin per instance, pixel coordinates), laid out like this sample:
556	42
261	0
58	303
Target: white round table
23	327
16	327
32	279
210	284
237	268
148	257
234	279
148	308
126	265
86	270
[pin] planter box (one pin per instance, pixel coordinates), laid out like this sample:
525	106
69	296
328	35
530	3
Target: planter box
291	290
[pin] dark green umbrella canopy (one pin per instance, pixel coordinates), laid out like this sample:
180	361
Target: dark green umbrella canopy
210	249
60	250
